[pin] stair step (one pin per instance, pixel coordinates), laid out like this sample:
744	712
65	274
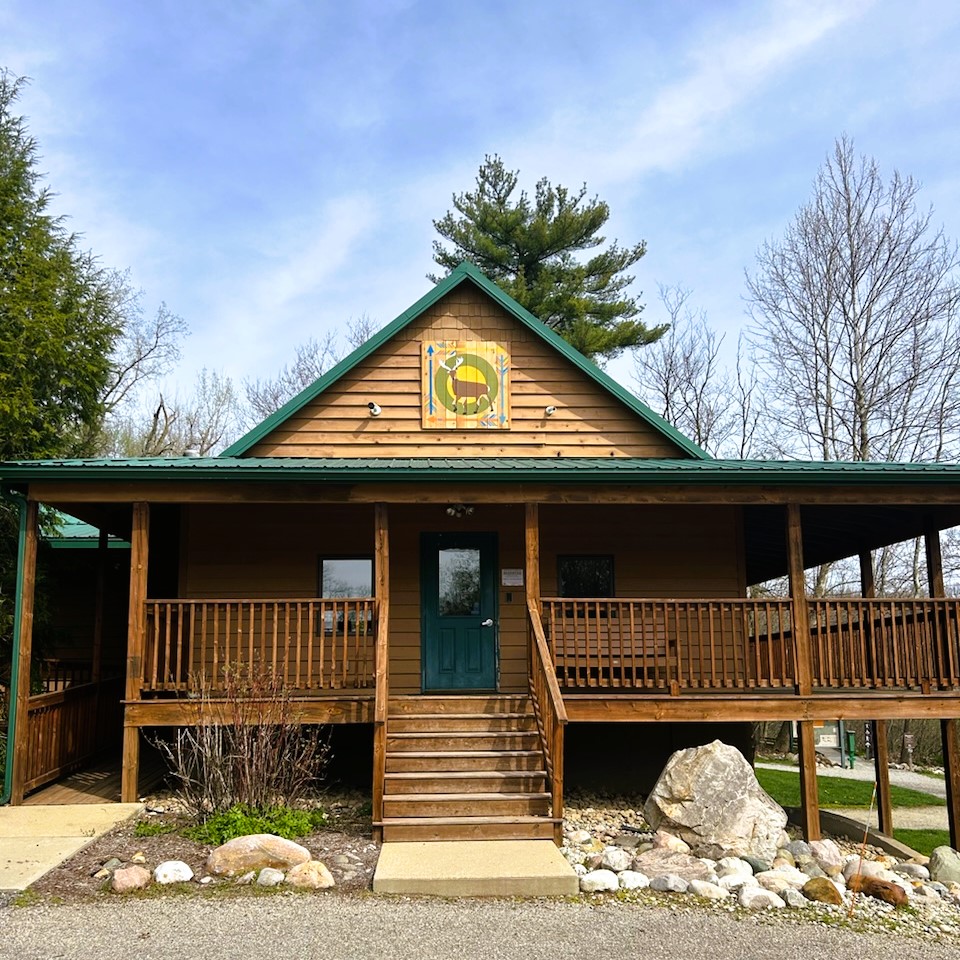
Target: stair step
468	740
478	703
433	805
410	829
465	781
463	722
442	761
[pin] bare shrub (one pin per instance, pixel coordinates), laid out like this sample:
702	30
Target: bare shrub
247	747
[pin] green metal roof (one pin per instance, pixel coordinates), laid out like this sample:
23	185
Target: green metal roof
466	272
620	470
74	534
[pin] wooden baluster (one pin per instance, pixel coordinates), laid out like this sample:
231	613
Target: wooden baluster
311	633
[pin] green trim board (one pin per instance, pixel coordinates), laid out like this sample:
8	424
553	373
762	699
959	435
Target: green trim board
74	534
549	470
465	272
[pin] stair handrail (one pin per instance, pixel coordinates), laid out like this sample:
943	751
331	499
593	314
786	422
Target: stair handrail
381	699
549	710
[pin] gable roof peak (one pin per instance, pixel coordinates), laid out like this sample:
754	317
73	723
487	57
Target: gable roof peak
464	271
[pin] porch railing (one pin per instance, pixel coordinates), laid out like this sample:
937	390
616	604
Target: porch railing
549	710
309	644
748	644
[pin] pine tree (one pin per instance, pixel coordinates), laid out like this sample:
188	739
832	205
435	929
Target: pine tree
531	247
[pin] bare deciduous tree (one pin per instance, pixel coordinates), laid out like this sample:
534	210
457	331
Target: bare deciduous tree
681	376
312	359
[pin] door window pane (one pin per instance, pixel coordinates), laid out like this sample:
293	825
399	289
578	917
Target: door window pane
459	593
585	577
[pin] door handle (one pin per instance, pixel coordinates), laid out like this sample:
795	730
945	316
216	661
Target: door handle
487	623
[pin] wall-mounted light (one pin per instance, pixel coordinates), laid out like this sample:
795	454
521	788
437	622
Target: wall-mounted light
374	408
550	411
459	511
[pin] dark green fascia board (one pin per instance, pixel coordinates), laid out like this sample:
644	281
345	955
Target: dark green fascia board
84	543
495	471
21	503
465	271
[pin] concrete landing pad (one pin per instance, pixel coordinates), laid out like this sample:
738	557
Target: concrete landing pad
33	840
475	868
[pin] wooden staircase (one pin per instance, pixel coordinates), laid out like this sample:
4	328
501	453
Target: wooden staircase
464	768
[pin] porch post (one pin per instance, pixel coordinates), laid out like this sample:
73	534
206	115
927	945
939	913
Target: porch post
136	631
27	581
809	800
381	663
931	544
96	666
951	769
532	553
878	728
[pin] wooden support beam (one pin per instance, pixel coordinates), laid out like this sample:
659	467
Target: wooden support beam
931	543
532	553
136	633
96	668
27	581
809	798
381	536
868	587
951	770
881	764
798	593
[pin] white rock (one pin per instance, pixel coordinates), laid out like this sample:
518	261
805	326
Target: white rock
709	797
866	868
913	870
596	881
616	859
794	898
580	836
269	877
669	883
709	891
172	871
579	869
732	866
756	898
631	880
796	877
734	881
828	856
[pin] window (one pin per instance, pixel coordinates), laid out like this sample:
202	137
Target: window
586	576
346	577
342	577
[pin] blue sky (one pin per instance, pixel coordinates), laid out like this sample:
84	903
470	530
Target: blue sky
271	169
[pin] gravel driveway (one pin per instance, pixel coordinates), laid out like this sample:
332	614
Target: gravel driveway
281	927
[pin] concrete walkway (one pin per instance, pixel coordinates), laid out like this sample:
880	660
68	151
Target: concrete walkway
475	868
33	840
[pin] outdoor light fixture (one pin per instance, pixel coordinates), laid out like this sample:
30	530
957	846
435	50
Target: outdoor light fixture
374	409
550	411
459	511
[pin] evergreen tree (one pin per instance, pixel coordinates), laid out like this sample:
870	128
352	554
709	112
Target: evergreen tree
531	247
59	316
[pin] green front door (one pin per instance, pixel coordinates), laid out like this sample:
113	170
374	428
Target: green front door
458	611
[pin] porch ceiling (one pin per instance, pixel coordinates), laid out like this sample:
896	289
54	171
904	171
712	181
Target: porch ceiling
833	532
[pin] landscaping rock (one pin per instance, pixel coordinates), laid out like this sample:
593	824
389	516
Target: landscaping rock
598	881
255	852
269	877
709	797
945	865
669	883
821	890
658	863
665	840
734	881
794	898
126	879
172	871
880	889
708	891
246	879
616	859
733	866
631	880
864	868
312	875
827	856
756	898
913	871
757	865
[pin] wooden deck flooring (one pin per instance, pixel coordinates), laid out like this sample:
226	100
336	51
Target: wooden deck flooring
98	783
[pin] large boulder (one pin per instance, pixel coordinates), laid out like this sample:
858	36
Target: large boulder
945	865
709	797
254	852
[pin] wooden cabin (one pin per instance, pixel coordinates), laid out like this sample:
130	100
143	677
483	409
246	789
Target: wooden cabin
469	537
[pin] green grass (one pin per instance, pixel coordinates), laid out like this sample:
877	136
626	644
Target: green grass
784	787
153	828
923	841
